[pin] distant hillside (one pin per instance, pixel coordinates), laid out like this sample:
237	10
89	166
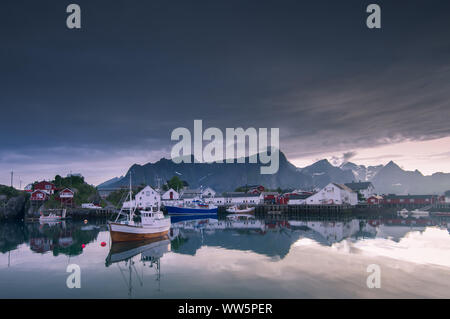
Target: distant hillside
109	182
388	178
226	177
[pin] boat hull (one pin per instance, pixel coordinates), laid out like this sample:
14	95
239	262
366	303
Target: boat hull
122	233
174	210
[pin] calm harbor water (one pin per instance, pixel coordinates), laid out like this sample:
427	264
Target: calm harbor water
221	258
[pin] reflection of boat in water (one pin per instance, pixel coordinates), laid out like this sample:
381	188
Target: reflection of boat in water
420	213
151	251
49	218
236	210
153	224
125	250
182	218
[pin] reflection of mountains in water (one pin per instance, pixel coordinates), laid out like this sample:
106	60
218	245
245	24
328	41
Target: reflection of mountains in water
276	238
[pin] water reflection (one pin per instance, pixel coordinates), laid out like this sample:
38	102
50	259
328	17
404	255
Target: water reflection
242	255
150	252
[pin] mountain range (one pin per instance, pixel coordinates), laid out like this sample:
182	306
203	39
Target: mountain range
389	178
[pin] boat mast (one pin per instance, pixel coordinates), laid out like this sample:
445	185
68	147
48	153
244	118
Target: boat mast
131	202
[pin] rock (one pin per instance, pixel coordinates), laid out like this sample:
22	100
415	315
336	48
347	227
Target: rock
14	208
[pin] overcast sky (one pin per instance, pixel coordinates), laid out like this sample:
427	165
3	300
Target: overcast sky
99	99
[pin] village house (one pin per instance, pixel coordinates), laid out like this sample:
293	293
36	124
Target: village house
375	200
297	199
171	194
269	197
334	194
208	191
45	186
39	195
239	198
253	189
66	197
215	200
145	199
395	200
366	189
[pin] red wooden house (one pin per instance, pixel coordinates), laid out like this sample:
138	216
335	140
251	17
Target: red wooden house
392	199
375	200
66	196
45	186
39	195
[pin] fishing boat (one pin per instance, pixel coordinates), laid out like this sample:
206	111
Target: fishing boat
198	207
420	213
236	210
153	224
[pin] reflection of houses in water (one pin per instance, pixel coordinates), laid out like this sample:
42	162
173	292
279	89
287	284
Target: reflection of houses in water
239	232
150	251
329	232
60	237
41	244
396	229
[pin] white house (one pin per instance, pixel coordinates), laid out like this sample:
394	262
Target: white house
146	198
238	198
333	194
366	189
298	199
171	194
208	191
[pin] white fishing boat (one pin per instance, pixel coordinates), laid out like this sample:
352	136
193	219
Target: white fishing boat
236	210
420	213
153	224
403	213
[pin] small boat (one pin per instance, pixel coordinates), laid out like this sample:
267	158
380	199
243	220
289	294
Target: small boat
420	213
236	210
49	218
403	213
153	224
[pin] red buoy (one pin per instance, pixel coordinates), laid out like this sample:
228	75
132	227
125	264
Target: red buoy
103	244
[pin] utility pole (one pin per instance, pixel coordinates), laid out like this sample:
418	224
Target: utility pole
12	177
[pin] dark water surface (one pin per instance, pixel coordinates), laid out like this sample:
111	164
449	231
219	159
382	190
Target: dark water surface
215	257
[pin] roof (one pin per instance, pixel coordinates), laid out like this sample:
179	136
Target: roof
188	196
359	186
343	187
240	194
393	196
67	189
299	196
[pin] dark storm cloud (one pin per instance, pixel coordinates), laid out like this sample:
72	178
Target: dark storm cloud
138	69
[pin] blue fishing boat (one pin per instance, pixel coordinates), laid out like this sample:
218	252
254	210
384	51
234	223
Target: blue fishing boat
198	207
